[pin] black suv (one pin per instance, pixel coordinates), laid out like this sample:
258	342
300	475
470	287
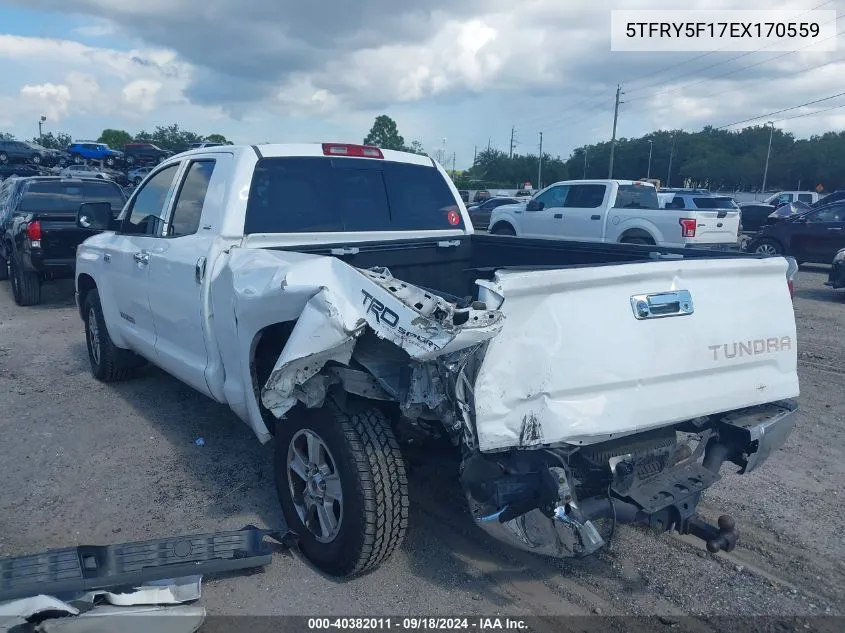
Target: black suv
144	153
38	231
23	152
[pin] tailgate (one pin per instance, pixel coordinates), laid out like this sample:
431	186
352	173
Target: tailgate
574	364
60	235
715	227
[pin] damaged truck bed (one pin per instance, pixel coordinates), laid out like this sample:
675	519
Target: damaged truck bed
576	381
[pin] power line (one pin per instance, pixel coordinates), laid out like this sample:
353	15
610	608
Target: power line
745	54
732	72
815	112
762	79
769	114
542	121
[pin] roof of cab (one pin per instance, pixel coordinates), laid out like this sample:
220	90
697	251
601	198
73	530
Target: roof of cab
284	150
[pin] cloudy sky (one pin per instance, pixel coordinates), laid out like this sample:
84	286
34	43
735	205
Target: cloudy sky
312	70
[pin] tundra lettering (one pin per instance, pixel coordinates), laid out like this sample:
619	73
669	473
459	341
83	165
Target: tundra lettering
751	348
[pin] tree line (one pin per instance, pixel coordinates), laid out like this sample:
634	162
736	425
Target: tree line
169	137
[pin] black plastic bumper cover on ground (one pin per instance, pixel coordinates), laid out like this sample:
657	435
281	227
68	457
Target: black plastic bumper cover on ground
90	567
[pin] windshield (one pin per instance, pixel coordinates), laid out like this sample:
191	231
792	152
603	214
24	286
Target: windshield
715	202
636	197
296	195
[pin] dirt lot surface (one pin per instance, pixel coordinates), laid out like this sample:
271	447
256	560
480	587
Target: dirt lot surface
84	462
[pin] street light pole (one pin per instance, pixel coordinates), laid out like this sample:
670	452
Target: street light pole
650	146
585	163
40	123
671	154
768	153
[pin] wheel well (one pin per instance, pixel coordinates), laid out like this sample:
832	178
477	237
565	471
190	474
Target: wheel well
84	285
502	223
636	234
267	347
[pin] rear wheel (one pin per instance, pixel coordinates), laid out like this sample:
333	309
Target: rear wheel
109	363
4	157
36	160
130	160
26	286
503	229
638	240
110	161
767	247
342	487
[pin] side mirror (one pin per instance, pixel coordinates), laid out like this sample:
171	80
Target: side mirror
533	205
95	216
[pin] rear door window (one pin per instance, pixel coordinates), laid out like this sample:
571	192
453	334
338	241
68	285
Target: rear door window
297	195
103	192
52	196
636	197
805	197
585	196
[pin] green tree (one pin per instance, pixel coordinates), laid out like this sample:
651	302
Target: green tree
7	136
385	134
217	138
170	137
415	148
115	138
59	140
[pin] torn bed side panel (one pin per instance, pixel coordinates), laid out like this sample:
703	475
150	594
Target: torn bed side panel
349	300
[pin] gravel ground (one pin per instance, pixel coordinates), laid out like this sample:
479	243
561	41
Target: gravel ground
84	462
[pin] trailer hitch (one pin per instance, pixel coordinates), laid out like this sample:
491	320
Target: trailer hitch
722	538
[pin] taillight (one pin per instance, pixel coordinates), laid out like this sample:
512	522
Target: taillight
344	149
687	226
33	231
791	275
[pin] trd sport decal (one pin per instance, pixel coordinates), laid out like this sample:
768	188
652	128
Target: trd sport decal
386	316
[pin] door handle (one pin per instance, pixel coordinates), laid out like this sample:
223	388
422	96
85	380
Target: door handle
662	304
558	216
142	257
199	270
595	217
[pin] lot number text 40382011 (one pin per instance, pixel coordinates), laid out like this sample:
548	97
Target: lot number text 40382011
417	624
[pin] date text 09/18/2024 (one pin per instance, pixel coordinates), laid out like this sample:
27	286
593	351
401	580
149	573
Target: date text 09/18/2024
416	624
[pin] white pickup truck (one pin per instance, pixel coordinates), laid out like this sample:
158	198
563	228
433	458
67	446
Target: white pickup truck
623	211
577	382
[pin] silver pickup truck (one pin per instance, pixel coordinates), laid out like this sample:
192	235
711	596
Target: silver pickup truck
575	381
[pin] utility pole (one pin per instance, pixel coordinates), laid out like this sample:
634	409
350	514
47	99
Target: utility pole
650	147
474	154
768	153
453	164
671	154
510	153
585	163
488	144
613	138
540	165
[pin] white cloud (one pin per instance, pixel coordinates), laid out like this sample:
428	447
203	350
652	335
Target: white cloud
541	65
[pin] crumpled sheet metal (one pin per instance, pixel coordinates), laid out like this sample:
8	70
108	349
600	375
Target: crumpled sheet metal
122	612
346	302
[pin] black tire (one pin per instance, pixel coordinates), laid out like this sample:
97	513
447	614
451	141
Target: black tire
161	159
503	229
374	487
26	286
4	269
110	363
77	159
4	158
766	247
36	160
638	240
130	160
110	161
